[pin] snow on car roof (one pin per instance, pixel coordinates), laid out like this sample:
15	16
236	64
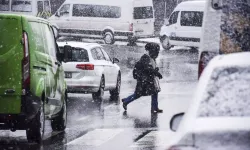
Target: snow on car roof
229	60
196	5
79	44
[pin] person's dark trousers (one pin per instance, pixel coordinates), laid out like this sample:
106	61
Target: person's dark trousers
154	100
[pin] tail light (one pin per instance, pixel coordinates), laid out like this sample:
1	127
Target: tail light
131	27
85	66
204	60
25	62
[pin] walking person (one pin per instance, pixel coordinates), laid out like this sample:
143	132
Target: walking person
147	75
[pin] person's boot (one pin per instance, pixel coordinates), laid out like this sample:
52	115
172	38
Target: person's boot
124	105
157	111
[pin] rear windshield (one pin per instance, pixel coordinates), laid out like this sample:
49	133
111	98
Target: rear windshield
78	55
4	5
143	12
9	32
227	93
21	6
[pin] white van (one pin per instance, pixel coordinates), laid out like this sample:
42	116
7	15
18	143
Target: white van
184	26
108	19
39	8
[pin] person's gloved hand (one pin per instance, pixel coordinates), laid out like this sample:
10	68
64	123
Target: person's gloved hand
159	75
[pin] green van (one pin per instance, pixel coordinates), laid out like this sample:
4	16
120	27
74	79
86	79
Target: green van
32	85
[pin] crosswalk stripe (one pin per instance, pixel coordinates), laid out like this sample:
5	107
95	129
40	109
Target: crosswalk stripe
96	137
154	138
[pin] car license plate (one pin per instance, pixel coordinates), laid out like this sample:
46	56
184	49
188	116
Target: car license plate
68	75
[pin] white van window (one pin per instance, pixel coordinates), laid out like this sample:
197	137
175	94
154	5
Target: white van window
106	11
173	18
82	10
143	12
4	5
39	6
47	6
21	6
64	11
191	18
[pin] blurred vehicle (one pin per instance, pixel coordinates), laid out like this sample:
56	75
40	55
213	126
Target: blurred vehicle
225	30
219	115
32	85
39	8
184	26
107	19
91	70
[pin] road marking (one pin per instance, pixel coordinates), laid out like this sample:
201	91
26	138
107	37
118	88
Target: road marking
96	137
154	138
83	118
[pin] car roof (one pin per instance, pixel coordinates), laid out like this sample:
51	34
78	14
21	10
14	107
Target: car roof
29	17
196	5
240	59
83	45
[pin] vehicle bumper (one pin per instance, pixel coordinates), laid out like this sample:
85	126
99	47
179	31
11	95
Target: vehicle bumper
30	106
84	85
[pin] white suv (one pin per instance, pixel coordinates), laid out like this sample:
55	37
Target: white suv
91	70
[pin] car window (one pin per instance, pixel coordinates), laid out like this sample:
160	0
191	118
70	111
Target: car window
191	18
81	10
143	12
97	54
39	6
4	5
64	11
37	30
49	40
102	11
105	55
21	6
173	18
79	55
47	6
227	93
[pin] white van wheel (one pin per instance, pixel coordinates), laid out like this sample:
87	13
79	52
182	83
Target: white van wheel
109	38
165	43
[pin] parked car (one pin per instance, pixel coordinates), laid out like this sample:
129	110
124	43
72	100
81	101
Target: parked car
219	115
39	8
225	30
184	26
32	85
90	69
107	19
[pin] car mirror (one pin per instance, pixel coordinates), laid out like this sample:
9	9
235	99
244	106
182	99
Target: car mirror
217	4
166	22
58	14
175	121
115	60
67	50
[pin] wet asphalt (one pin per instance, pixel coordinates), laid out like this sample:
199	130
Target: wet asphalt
106	126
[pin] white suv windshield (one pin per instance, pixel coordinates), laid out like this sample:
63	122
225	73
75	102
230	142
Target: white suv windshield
227	93
21	6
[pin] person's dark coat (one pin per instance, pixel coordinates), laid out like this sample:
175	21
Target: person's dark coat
146	81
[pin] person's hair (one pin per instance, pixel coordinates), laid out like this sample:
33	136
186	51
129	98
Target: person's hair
152	47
